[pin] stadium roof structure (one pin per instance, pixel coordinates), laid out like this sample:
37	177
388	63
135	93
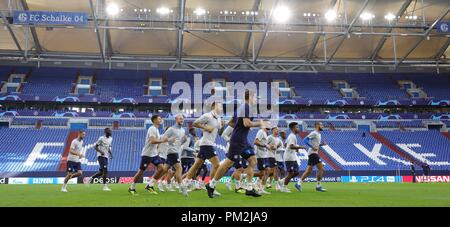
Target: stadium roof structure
234	35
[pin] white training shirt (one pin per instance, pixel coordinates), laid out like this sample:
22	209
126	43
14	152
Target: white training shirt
275	141
261	152
211	120
315	140
197	146
280	152
150	149
226	135
179	134
291	154
162	150
104	144
77	146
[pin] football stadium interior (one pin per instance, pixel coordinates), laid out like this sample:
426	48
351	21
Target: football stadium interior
374	72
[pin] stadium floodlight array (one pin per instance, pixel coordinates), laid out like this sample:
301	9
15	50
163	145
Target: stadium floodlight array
367	16
113	9
330	15
281	14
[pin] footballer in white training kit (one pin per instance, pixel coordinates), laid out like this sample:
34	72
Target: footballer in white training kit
210	124
73	159
290	156
103	147
150	155
314	142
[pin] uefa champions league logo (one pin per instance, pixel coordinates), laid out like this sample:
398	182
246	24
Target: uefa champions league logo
444	27
23	17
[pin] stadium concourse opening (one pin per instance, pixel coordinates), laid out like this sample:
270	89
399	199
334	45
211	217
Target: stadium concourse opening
227	103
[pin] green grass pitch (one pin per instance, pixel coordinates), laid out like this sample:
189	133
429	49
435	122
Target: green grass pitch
339	194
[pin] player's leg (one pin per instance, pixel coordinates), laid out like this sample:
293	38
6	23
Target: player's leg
320	172
282	174
66	179
274	178
69	170
103	162
184	166
159	172
239	188
97	174
170	174
307	172
178	172
162	180
269	178
205	170
206	152
193	170
104	169
78	173
281	169
273	165
266	176
223	168
199	183
136	178
236	176
289	176
71	175
249	171
145	162
215	165
260	166
105	177
160	168
77	168
275	172
190	162
261	175
292	171
258	174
